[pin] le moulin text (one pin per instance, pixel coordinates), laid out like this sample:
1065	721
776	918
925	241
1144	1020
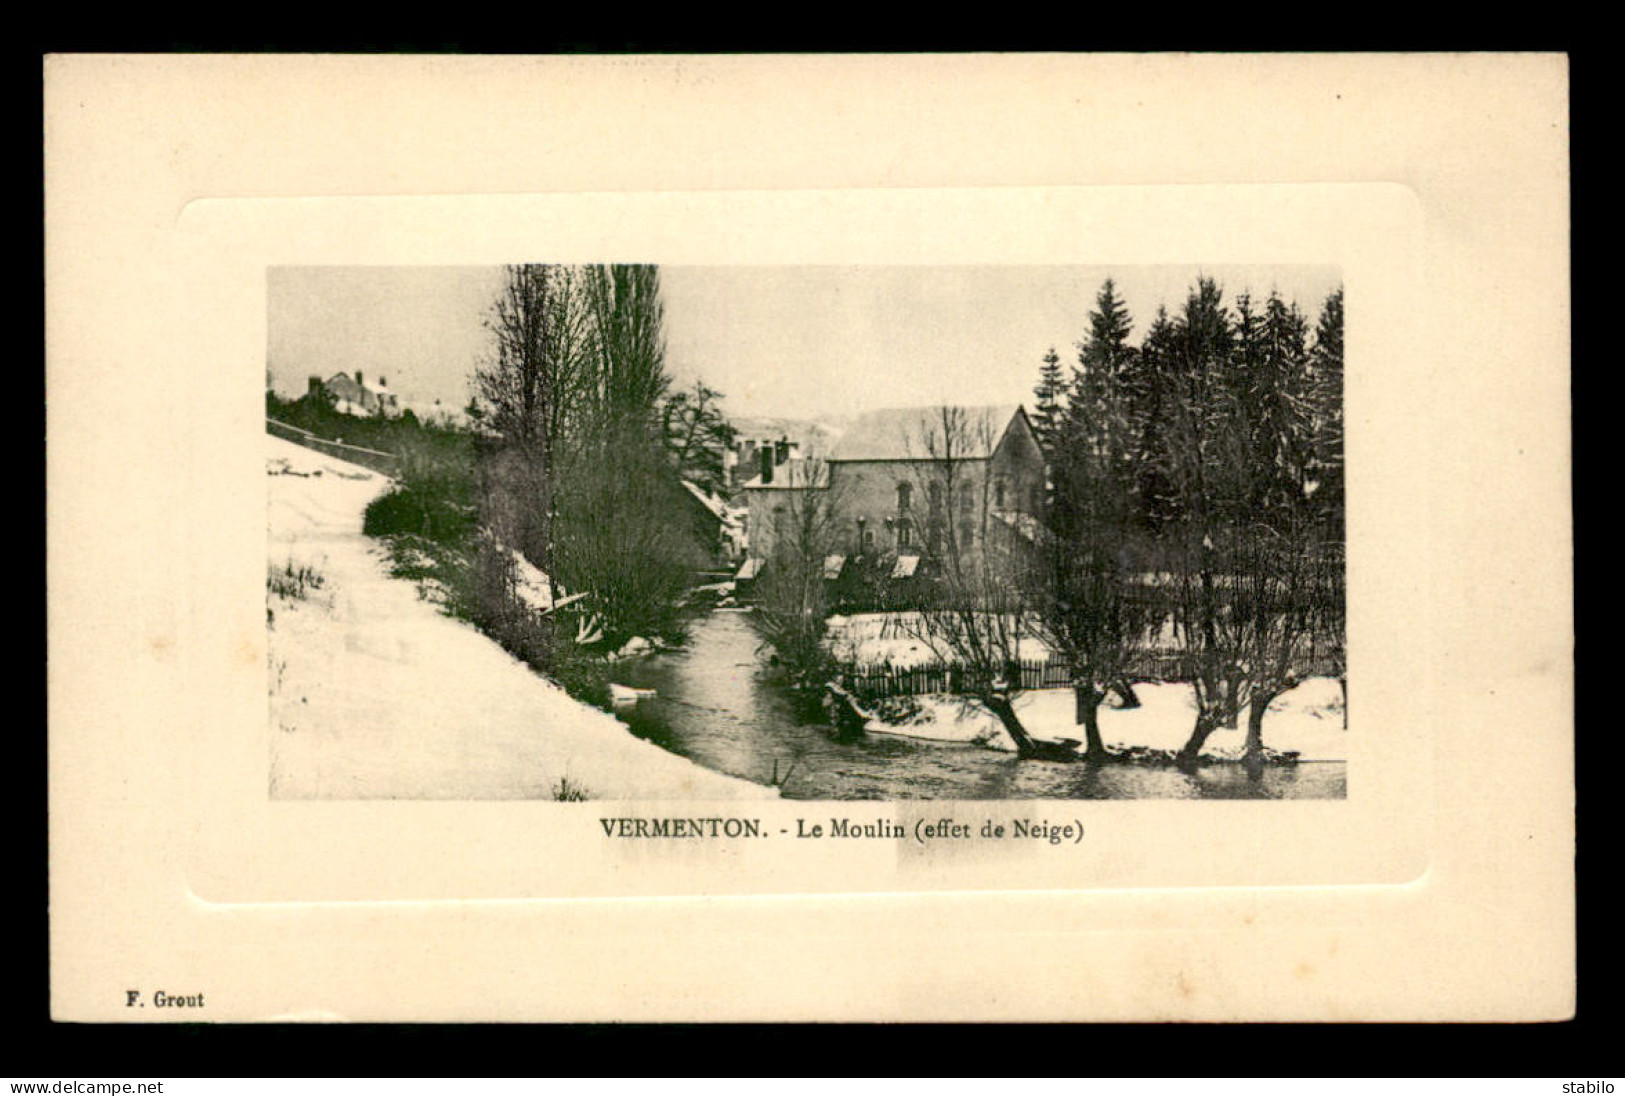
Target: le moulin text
922	830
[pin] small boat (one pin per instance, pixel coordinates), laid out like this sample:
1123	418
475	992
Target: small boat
627	694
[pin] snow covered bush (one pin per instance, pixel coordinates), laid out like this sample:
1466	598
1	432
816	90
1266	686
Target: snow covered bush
293	581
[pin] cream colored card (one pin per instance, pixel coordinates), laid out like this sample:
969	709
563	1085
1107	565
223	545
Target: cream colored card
1434	187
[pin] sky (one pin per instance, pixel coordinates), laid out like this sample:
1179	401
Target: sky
796	342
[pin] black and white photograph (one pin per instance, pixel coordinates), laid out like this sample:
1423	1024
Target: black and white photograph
753	539
579	532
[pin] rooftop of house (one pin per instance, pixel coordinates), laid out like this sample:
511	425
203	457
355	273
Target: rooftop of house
917	433
793	475
717	506
376	385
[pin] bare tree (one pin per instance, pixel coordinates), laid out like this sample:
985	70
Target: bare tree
981	607
627	377
792	598
578	478
1093	610
525	393
1287	603
1199	458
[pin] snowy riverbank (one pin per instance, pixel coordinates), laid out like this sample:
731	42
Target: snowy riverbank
376	694
1308	720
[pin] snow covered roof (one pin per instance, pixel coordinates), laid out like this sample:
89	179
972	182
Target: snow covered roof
905	433
709	501
749	569
905	566
833	565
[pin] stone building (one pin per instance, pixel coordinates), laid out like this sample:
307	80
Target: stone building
899	483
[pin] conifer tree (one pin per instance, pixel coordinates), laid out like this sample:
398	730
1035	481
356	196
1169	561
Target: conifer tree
1326	415
1154	395
1091	615
1047	411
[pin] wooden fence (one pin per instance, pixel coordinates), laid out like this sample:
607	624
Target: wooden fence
877	681
377	460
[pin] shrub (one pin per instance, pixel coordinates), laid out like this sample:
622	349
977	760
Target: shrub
410	510
293	582
568	791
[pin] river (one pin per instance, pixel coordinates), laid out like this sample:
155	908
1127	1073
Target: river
717	704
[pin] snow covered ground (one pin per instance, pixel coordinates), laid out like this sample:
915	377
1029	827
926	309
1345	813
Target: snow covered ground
375	694
1309	720
873	639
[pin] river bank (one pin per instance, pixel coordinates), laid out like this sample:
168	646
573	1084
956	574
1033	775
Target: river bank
375	694
719	701
1306	721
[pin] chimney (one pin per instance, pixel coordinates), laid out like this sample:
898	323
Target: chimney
781	451
313	385
358	381
767	465
382	383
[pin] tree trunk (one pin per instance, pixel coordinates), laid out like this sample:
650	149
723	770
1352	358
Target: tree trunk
1232	703
1207	721
1086	699
1255	725
1343	683
1004	709
1124	688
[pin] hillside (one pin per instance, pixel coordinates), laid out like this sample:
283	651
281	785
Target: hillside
815	438
376	694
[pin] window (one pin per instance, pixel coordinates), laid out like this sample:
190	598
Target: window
936	497
998	492
904	536
868	539
904	495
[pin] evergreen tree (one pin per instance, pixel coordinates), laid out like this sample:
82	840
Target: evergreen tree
1203	459
1269	409
698	436
1154	395
1091	614
1049	390
1105	383
1324	483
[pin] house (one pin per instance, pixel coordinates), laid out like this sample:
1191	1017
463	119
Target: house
351	395
720	527
904	483
744	460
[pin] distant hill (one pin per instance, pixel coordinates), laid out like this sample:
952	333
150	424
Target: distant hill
816	438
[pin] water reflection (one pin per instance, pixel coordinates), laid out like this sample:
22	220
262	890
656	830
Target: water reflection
717	704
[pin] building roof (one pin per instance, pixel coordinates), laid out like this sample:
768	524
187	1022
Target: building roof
717	508
915	433
793	475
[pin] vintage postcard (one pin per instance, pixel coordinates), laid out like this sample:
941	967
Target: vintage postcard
587	537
